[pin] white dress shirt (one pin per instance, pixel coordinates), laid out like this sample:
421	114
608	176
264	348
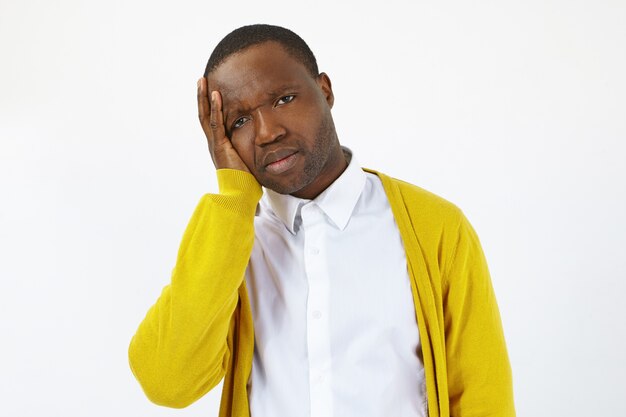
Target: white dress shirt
334	318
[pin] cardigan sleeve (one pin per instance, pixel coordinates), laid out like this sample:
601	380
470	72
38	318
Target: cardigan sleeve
479	373
180	350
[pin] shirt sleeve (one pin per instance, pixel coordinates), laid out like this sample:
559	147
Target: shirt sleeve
479	373
180	350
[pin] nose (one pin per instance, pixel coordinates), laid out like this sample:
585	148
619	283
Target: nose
268	127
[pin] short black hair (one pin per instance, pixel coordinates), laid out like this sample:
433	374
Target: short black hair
247	36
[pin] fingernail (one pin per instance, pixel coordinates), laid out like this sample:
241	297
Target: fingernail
213	96
199	81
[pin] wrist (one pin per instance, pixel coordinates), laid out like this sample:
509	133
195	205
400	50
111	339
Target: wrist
235	182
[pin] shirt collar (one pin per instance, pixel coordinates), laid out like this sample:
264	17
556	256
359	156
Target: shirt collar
337	201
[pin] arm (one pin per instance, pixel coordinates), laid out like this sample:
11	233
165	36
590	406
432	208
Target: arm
479	374
180	350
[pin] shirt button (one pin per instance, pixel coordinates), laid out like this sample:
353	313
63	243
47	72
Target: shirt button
314	251
317	314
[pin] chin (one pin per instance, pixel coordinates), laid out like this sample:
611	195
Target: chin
296	179
281	188
284	187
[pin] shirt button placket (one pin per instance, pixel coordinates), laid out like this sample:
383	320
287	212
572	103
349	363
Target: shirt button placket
318	330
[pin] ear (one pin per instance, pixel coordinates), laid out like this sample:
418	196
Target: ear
324	83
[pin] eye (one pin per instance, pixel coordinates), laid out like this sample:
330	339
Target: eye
240	122
285	99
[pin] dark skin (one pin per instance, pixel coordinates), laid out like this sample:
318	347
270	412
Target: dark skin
269	116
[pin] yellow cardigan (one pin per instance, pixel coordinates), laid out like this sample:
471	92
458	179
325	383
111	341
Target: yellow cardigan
200	330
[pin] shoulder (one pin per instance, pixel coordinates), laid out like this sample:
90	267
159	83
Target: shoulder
429	224
418	202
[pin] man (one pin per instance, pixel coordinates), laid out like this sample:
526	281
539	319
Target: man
337	291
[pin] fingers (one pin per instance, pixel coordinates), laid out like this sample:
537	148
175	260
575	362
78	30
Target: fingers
216	121
211	117
210	113
203	106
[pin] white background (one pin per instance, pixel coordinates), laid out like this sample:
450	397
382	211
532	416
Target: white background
513	110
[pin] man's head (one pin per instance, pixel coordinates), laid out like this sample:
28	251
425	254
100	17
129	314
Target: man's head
276	109
246	36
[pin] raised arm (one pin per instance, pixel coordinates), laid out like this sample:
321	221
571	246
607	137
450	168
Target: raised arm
180	350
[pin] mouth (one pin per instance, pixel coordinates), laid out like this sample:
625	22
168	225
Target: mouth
280	161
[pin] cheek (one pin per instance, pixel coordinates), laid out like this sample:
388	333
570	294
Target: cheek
299	126
309	119
244	146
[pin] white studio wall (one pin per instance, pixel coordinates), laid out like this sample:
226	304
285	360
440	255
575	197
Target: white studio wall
515	111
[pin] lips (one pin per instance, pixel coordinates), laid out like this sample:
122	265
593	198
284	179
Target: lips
279	161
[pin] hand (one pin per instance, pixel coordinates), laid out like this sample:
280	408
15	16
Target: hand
211	118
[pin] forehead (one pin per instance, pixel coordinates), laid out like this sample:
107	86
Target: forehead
259	69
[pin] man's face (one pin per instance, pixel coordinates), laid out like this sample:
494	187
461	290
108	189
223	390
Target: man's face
278	119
